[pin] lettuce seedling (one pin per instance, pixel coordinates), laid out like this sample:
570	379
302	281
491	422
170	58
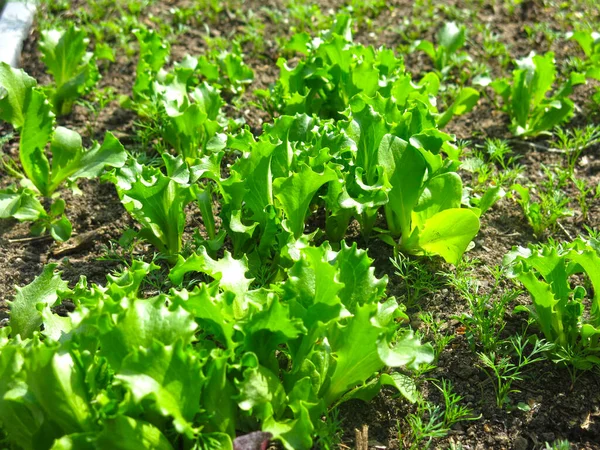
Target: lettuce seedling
589	41
526	97
451	38
157	201
193	114
27	109
544	213
352	169
336	71
563	309
235	75
306	319
590	44
25	106
73	68
225	70
400	154
23	204
186	113
153	55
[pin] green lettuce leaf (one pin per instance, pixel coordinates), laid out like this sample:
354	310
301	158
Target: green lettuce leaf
168	375
126	433
17	87
25	315
296	193
72	67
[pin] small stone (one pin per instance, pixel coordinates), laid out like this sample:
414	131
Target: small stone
467	373
548	437
520	443
29	257
502	438
415	323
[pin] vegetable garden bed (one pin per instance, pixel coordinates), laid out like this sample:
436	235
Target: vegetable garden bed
282	209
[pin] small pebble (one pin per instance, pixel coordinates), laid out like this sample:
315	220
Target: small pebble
501	438
548	437
520	443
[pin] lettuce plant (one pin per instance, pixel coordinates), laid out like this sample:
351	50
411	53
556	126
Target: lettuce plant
589	42
157	200
400	154
527	98
226	70
73	68
451	38
183	111
268	195
545	212
153	55
351	169
193	123
223	70
194	368
565	312
25	107
335	70
23	204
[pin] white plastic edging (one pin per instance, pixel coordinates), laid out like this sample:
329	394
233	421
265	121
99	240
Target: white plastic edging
15	22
